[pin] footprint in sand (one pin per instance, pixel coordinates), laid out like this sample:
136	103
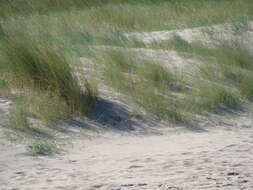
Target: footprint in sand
134	167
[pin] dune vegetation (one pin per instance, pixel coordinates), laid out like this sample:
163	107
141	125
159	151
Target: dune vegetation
41	41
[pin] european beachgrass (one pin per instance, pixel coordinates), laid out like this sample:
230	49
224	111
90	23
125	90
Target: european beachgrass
146	83
34	69
43	84
223	80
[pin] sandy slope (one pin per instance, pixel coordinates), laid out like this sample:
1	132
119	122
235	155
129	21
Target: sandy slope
220	157
207	35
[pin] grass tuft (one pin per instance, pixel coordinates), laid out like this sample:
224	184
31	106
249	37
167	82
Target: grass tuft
42	148
19	122
211	95
33	66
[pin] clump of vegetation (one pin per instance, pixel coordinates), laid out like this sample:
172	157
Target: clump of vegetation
233	66
42	148
43	86
225	77
245	85
210	95
146	83
236	65
224	80
36	67
19	121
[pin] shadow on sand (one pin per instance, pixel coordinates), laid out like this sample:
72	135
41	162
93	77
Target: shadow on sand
112	116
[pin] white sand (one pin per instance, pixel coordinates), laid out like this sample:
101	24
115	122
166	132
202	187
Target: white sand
241	33
219	158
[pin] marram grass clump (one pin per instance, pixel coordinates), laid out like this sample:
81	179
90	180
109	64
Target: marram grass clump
222	81
30	67
146	83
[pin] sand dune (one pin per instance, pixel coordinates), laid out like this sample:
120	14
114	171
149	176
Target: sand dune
136	155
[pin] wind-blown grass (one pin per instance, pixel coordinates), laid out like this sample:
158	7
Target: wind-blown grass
225	77
44	85
35	67
236	65
19	122
28	65
210	95
146	83
27	7
223	80
137	14
72	28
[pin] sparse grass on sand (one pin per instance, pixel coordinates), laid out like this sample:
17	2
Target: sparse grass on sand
223	80
145	82
42	148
